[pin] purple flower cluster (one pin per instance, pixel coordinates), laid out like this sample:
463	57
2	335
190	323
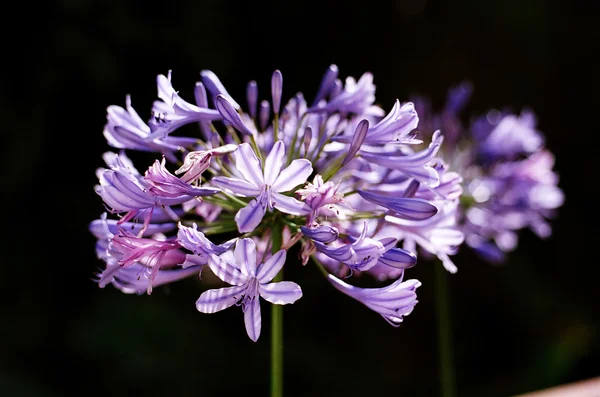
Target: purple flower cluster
337	181
508	173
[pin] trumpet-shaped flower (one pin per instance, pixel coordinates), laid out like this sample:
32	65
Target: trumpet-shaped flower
249	282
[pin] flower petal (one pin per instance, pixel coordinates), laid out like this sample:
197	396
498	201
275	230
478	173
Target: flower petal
248	164
250	216
245	256
289	205
295	174
215	300
398	258
281	293
406	208
226	271
274	162
235	185
268	270
252	319
229	113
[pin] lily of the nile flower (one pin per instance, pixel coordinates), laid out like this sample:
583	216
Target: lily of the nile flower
392	302
399	126
439	235
123	189
126	130
194	240
414	165
152	253
502	136
248	281
195	163
265	185
136	278
513	195
364	252
357	97
172	112
104	229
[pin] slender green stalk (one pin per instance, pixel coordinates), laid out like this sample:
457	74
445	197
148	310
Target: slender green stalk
446	367
277	324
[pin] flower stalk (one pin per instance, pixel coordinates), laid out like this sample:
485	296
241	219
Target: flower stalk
277	325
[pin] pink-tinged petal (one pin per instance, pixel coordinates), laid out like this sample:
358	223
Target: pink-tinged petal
225	271
289	205
248	164
235	185
295	174
250	216
215	300
245	256
252	319
268	270
274	162
281	293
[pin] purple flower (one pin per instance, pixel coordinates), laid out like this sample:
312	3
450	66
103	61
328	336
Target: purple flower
356	97
392	302
397	127
248	281
194	240
126	130
136	278
414	165
172	112
364	253
163	184
265	185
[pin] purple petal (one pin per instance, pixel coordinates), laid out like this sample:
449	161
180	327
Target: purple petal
289	205
398	258
406	208
274	162
326	83
215	300
238	186
268	270
295	174
245	256
214	85
226	271
252	98
323	234
252	319
263	114
248	164
281	293
276	89
250	216
231	115
357	140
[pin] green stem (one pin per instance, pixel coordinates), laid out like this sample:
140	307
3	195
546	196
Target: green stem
277	324
444	332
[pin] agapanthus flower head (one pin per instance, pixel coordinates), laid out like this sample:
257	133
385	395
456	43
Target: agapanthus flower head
340	182
509	181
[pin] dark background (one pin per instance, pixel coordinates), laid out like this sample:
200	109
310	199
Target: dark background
526	325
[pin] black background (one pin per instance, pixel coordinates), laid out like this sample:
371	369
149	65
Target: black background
529	324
